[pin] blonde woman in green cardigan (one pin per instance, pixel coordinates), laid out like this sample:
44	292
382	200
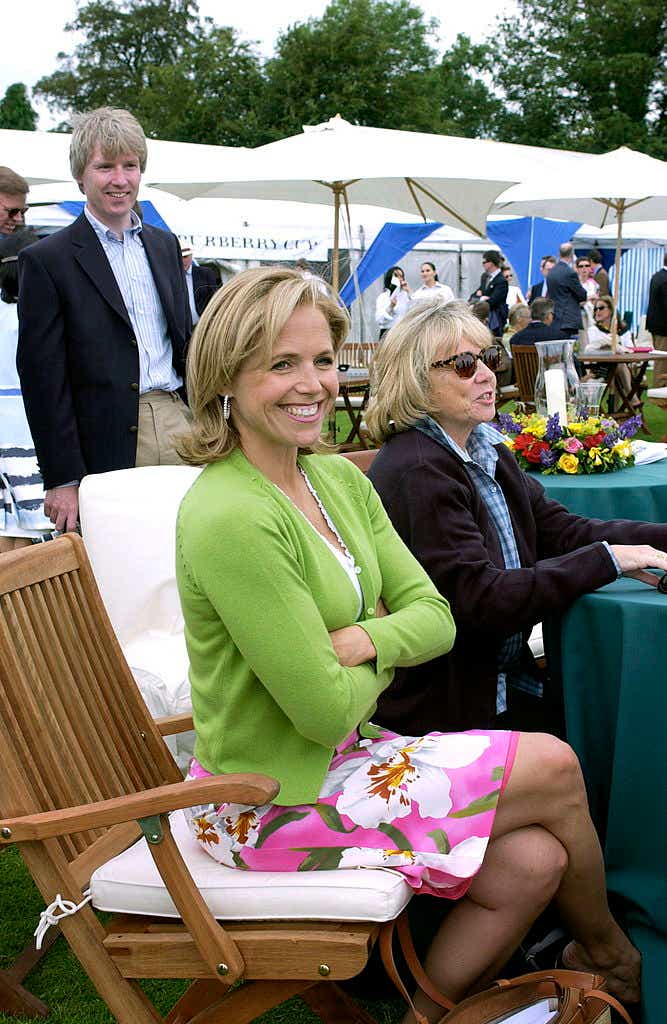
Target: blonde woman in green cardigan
299	601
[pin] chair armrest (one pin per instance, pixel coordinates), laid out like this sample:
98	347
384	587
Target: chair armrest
247	788
169	725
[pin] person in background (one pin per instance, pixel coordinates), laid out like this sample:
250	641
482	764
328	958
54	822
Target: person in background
326	601
104	321
394	300
518	319
431	288
540	325
201	282
481	310
13	192
656	321
584	272
598	273
539	290
22	518
514	293
495	292
566	293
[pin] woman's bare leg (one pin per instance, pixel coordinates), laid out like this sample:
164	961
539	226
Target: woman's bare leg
520	875
546	788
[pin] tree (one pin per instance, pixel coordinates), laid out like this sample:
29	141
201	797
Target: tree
371	61
16	110
467	105
182	77
589	76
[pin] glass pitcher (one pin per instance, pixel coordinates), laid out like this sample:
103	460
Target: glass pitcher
557	380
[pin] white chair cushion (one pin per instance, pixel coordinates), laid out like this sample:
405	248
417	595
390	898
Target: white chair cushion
356	401
657	393
128	522
131	884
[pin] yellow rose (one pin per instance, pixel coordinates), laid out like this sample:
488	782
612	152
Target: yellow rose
509	442
568	463
577	428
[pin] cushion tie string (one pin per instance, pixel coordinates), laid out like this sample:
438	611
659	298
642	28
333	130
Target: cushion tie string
55	912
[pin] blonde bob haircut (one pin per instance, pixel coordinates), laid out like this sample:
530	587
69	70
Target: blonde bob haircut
116	131
242	321
402	367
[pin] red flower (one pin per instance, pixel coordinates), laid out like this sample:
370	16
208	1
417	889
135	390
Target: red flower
532	453
522	441
593	440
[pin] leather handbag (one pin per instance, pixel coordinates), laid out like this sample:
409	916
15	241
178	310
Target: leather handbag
569	997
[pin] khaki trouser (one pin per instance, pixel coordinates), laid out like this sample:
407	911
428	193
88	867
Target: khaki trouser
163	415
660	366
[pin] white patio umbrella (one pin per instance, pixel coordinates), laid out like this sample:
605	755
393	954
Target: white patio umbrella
439	177
595	190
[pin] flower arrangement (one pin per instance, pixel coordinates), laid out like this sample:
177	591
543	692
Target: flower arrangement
593	445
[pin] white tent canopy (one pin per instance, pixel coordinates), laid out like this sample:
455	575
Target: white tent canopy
43	157
591	188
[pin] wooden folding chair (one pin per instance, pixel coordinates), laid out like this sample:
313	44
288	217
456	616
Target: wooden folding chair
86	772
526	365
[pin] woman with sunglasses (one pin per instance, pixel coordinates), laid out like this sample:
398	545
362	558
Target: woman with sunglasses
599	337
502	553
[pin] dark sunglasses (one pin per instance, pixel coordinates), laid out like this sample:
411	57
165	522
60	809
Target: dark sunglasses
14	211
465	363
599	308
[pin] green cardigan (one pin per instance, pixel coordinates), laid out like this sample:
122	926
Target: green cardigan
261	591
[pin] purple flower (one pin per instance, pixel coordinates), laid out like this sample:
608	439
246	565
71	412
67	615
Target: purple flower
508	424
554	429
548	459
630	427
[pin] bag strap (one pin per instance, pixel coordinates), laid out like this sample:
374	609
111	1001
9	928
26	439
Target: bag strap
386	943
415	967
596	993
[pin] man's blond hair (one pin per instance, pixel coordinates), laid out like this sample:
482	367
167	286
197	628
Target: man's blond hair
116	131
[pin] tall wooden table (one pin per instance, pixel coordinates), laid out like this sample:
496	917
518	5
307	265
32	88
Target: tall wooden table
352	384
637	363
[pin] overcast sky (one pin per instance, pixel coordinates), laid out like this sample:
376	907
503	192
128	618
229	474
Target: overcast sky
32	53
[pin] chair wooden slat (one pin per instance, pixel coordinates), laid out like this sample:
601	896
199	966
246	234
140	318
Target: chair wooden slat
526	362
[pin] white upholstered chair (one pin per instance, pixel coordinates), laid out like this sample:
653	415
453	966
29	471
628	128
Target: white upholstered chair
128	522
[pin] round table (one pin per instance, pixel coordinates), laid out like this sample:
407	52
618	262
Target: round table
639	493
613	654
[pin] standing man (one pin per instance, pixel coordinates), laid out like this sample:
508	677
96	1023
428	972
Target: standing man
598	273
201	282
539	290
495	292
566	292
104	321
656	321
13	190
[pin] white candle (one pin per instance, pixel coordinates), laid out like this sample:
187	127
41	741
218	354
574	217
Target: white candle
554	381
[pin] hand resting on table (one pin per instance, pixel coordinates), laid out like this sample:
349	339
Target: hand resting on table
635	559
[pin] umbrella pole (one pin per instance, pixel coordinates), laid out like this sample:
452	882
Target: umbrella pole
617	273
337	189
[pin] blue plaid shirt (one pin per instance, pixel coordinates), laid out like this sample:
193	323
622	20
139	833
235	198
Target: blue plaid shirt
480	459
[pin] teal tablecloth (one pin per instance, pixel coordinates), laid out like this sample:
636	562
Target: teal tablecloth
638	493
614	667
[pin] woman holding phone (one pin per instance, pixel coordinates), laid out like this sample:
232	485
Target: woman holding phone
394	300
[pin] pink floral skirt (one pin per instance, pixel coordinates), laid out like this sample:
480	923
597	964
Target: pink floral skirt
422	805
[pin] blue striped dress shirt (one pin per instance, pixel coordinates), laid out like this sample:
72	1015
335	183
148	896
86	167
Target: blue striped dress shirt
129	264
